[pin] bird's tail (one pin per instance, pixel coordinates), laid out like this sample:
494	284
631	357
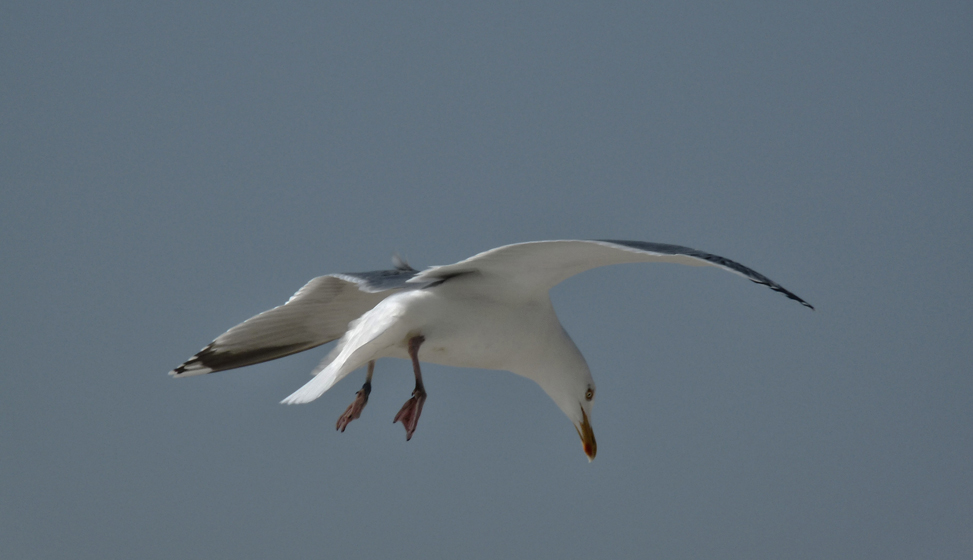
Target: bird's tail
366	338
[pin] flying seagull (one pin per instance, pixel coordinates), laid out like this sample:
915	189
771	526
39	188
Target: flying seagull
490	311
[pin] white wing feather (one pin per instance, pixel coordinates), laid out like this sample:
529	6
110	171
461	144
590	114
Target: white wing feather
318	313
541	265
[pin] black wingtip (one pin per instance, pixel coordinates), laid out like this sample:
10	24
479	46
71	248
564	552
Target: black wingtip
212	359
804	303
189	368
723	262
795	298
780	289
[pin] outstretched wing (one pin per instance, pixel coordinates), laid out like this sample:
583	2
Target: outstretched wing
541	265
318	313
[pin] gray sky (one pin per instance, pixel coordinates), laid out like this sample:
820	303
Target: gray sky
170	169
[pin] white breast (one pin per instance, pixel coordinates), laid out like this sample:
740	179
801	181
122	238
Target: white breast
479	331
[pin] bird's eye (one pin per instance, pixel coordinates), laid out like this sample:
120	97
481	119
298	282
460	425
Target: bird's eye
589	394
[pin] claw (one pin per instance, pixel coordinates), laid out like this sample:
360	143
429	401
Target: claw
354	409
361	399
409	414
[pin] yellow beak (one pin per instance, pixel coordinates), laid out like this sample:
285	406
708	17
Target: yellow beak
587	437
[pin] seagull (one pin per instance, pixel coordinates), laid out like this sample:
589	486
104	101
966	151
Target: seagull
490	311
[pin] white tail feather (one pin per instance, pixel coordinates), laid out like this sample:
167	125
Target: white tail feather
314	388
366	338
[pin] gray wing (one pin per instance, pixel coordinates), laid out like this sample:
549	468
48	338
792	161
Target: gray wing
318	313
716	260
540	265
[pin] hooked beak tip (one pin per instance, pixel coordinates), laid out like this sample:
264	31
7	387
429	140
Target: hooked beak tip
588	442
590	451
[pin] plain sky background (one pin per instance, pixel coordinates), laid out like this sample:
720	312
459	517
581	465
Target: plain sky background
170	169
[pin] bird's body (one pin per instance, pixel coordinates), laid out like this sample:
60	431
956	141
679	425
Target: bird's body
464	331
460	330
491	311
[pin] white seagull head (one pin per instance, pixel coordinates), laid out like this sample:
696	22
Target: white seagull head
567	381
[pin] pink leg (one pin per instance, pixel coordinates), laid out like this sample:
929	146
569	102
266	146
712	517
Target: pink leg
361	399
409	415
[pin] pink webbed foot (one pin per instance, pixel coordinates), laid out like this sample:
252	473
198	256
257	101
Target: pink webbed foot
361	399
354	409
409	415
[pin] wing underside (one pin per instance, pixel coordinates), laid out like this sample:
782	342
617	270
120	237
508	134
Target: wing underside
541	265
318	313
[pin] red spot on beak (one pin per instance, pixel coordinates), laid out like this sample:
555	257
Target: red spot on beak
588	442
